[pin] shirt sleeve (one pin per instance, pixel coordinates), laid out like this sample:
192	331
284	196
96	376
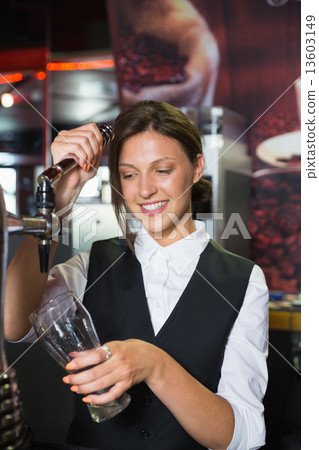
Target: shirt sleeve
69	276
244	373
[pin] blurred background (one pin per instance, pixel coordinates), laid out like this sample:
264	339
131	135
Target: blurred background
234	69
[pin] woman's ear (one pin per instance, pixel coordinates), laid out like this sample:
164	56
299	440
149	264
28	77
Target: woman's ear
198	168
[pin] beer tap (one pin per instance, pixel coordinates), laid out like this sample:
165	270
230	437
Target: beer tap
15	434
45	203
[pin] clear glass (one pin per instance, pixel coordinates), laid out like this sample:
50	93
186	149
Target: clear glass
64	326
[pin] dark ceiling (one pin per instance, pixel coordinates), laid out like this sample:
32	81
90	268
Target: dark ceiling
60	25
79	28
69	29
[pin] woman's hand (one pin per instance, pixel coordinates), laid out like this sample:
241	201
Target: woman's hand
132	362
84	145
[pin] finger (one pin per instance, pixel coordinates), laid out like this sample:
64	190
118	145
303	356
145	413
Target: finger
99	384
88	358
61	149
89	129
76	354
85	359
95	163
93	128
92	131
106	352
82	147
115	392
88	375
90	366
87	136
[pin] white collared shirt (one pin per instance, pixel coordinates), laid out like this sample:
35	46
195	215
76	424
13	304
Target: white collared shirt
166	272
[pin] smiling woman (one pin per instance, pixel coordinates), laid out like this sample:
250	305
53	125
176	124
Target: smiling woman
156	158
185	321
156	183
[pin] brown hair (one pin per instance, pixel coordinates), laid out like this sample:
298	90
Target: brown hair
167	120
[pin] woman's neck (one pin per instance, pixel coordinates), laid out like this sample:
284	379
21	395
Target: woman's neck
174	234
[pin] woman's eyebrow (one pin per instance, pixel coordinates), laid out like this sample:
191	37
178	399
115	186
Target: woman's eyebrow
126	165
165	158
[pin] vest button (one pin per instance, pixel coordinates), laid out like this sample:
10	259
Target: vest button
145	434
148	400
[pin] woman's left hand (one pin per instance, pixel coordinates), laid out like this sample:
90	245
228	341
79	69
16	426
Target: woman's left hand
132	362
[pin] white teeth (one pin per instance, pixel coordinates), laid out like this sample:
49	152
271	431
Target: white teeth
154	206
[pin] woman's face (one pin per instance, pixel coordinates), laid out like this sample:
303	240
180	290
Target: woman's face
156	178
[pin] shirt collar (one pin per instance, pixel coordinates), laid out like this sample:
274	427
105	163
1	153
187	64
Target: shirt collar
181	252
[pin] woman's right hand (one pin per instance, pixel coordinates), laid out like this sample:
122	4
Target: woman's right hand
84	145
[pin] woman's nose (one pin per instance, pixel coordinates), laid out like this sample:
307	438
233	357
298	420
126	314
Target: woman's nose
147	187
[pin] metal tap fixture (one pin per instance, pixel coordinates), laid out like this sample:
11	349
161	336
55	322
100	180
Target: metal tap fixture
45	225
14	433
45	197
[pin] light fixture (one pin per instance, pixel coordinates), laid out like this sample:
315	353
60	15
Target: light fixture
7	100
81	65
10	78
40	75
277	2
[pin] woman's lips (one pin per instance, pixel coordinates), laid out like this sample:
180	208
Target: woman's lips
153	208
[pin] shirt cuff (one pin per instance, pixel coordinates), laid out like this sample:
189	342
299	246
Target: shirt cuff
244	421
29	338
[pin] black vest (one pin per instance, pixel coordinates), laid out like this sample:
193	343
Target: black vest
195	335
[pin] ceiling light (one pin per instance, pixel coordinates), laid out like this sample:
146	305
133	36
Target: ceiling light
7	100
81	65
40	75
10	78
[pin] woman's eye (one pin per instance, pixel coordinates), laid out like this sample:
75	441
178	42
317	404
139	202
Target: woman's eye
164	172
127	176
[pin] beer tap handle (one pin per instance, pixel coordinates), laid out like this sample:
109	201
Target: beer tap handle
55	172
45	201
